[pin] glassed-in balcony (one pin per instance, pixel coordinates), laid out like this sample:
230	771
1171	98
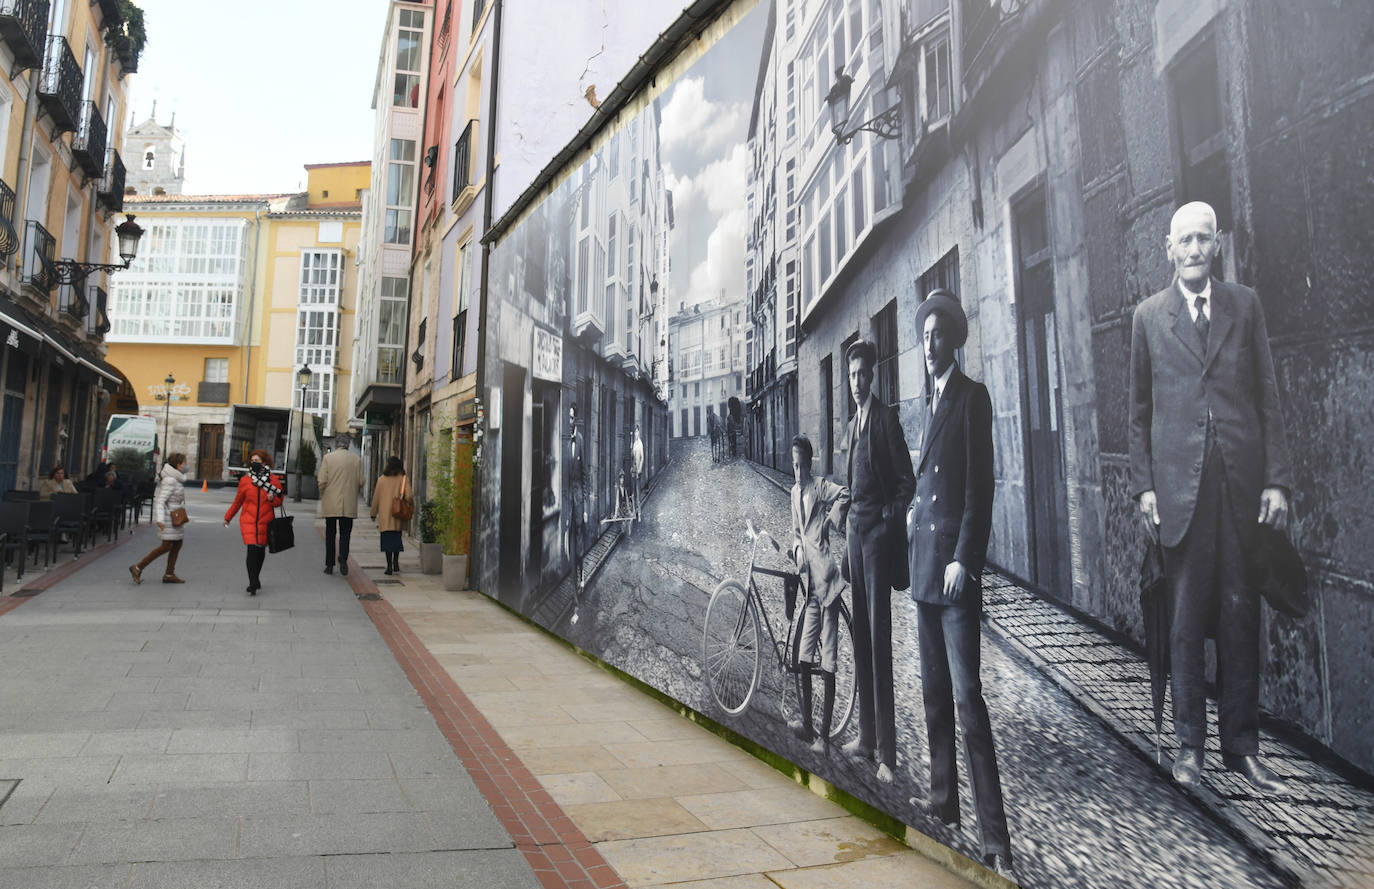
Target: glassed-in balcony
59	88
24	28
88	148
110	191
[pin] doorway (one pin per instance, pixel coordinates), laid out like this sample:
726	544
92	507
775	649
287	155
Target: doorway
210	451
1042	399
512	460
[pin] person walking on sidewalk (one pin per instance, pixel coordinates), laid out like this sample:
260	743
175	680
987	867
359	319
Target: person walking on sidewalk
259	493
818	513
341	481
1209	465
881	483
948	526
169	497
393	485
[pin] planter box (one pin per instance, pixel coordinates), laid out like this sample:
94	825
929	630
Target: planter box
310	487
455	572
431	558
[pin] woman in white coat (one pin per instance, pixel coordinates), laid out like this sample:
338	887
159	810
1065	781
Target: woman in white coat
170	495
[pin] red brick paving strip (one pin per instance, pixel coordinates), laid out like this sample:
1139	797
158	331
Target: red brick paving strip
559	854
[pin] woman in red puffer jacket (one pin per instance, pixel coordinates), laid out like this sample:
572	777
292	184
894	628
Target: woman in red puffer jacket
260	492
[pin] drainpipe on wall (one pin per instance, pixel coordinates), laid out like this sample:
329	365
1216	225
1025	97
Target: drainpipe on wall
475	552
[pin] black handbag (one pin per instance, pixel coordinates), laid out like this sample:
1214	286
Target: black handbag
280	533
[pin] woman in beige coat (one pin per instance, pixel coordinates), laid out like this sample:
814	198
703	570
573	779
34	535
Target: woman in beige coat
391	485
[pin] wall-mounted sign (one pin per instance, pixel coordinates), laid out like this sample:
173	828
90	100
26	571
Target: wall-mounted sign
547	360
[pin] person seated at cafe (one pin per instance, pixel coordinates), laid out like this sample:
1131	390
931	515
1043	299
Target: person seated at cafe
56	483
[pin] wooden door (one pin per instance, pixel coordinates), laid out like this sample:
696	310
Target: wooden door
1042	401
210	452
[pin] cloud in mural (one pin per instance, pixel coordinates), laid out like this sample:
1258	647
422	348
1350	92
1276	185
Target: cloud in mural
693	124
723	184
723	267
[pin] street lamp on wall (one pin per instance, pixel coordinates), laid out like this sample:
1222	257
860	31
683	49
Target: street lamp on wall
67	271
303	378
887	125
167	412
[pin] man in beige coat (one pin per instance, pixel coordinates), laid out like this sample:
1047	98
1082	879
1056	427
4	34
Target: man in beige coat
341	481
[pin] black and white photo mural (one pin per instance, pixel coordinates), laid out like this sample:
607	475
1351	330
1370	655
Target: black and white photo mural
842	387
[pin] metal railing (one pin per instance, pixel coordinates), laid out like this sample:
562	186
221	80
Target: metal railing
60	86
38	270
212	393
99	320
71	300
24	27
110	191
462	159
88	148
9	238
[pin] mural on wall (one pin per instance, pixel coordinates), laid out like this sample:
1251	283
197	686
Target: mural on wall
761	437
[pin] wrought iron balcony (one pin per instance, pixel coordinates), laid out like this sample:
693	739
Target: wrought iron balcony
462	159
212	393
72	302
110	191
88	148
24	28
59	88
9	238
109	12
38	270
99	321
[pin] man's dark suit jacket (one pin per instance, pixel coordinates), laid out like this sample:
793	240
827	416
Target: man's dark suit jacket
1173	385
892	463
952	511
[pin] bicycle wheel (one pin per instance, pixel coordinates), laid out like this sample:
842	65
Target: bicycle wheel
844	676
730	648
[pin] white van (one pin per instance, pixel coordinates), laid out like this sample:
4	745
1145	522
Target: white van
131	432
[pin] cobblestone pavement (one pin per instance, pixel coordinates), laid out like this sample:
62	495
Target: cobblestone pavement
1083	810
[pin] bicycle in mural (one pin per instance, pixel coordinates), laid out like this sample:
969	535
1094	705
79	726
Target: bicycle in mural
732	642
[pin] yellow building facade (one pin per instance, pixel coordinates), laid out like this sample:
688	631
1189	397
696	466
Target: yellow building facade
63	69
236	293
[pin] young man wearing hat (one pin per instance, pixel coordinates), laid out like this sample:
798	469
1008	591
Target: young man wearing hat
948	526
880	485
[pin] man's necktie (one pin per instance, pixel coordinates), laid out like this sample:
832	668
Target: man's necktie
1203	325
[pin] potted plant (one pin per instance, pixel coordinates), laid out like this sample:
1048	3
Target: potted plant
451	488
310	486
431	552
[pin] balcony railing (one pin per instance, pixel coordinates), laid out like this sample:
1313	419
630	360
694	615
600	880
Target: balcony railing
110	191
462	159
100	322
9	238
24	28
60	86
72	302
37	270
212	393
109	11
89	145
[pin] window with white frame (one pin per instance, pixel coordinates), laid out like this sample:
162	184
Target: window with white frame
400	191
319	392
185	286
216	370
320	277
391	330
409	33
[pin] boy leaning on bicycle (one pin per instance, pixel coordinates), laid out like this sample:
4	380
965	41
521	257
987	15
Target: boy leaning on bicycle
819	508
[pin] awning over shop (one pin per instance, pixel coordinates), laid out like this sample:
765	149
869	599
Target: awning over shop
31	333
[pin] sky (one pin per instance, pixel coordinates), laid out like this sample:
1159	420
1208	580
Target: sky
259	88
704	146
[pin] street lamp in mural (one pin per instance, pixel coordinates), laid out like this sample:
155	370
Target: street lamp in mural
68	271
302	377
166	396
887	125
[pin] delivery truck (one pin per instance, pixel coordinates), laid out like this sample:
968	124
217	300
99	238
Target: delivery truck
131	433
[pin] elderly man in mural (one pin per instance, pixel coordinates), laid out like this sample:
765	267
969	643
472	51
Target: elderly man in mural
948	526
1209	464
818	514
881	483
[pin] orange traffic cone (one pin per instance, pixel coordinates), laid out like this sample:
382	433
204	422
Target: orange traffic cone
204	485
